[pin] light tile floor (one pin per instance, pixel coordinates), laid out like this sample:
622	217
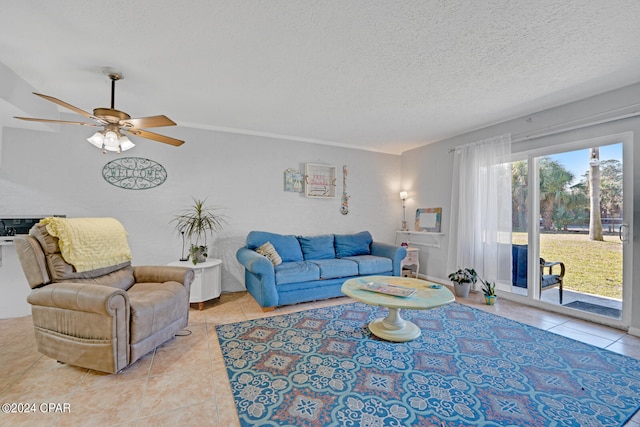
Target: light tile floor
184	381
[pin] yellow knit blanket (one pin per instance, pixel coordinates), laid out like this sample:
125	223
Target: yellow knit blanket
90	243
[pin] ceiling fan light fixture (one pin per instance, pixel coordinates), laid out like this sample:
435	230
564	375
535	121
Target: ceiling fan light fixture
113	121
96	139
125	143
110	141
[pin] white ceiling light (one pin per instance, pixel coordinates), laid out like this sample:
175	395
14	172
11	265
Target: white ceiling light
110	140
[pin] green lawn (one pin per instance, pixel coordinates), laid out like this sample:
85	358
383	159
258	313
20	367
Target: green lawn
591	267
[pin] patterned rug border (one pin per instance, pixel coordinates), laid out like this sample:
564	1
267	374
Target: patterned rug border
313	368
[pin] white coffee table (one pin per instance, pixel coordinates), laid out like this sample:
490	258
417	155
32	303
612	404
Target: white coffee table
394	327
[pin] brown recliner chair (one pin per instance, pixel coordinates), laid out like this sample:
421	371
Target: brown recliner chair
103	319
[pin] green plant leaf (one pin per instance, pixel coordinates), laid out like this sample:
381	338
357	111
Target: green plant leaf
199	221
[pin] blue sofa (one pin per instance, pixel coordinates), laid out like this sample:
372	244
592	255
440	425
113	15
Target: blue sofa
313	267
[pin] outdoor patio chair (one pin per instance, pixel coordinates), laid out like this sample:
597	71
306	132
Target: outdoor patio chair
519	255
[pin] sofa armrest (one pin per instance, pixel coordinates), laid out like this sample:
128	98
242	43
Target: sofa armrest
260	277
254	262
161	274
83	297
395	253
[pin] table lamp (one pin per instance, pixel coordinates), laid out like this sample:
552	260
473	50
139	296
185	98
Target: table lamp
403	196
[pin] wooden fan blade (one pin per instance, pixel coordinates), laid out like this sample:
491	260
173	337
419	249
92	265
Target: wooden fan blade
148	122
154	136
64	122
65	105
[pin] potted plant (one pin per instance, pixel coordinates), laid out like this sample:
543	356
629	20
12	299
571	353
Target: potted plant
196	223
489	289
462	281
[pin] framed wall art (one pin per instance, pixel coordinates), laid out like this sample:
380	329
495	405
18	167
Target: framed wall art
320	181
293	179
428	219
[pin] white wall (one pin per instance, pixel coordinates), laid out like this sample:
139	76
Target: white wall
426	171
60	173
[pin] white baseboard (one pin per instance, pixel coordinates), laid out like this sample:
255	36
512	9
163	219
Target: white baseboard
434	279
634	331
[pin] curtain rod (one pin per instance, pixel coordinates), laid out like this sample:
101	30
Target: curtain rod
566	126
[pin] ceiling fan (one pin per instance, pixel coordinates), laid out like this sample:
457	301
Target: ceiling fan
115	123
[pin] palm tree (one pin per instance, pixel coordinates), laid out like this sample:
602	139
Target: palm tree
554	180
611	188
595	218
519	186
571	208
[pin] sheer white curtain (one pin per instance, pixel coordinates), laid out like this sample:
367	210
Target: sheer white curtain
480	228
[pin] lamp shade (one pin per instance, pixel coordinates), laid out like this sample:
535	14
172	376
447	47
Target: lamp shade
125	143
96	139
404	195
111	141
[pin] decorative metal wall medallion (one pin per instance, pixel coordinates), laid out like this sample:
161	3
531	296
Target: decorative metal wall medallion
134	173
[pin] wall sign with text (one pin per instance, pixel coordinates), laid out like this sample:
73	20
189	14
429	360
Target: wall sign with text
134	173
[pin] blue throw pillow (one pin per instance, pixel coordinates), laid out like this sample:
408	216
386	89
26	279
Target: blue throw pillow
287	246
317	247
353	244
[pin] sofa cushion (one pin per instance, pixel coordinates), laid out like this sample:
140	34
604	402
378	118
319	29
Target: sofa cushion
296	271
332	268
154	306
353	244
121	279
549	280
369	264
519	265
270	252
287	246
317	247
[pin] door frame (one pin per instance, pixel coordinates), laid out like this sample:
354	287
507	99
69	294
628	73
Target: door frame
533	275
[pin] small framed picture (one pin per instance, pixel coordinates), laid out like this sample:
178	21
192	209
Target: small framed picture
293	180
428	219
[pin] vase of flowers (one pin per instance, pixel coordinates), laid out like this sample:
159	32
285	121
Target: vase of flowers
462	281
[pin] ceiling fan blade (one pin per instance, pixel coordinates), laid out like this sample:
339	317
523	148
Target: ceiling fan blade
64	122
148	122
66	105
154	136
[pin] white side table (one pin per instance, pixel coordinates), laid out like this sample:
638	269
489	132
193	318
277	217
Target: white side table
207	281
410	262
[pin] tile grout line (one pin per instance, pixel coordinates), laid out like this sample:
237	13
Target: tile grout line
144	389
211	373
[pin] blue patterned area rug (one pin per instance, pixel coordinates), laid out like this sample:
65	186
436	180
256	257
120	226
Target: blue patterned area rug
322	367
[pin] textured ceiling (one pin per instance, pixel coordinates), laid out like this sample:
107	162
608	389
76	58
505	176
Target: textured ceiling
379	75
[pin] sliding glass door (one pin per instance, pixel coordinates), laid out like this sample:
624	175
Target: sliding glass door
570	226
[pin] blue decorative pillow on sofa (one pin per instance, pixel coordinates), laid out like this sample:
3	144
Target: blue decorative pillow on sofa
353	244
317	247
287	246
